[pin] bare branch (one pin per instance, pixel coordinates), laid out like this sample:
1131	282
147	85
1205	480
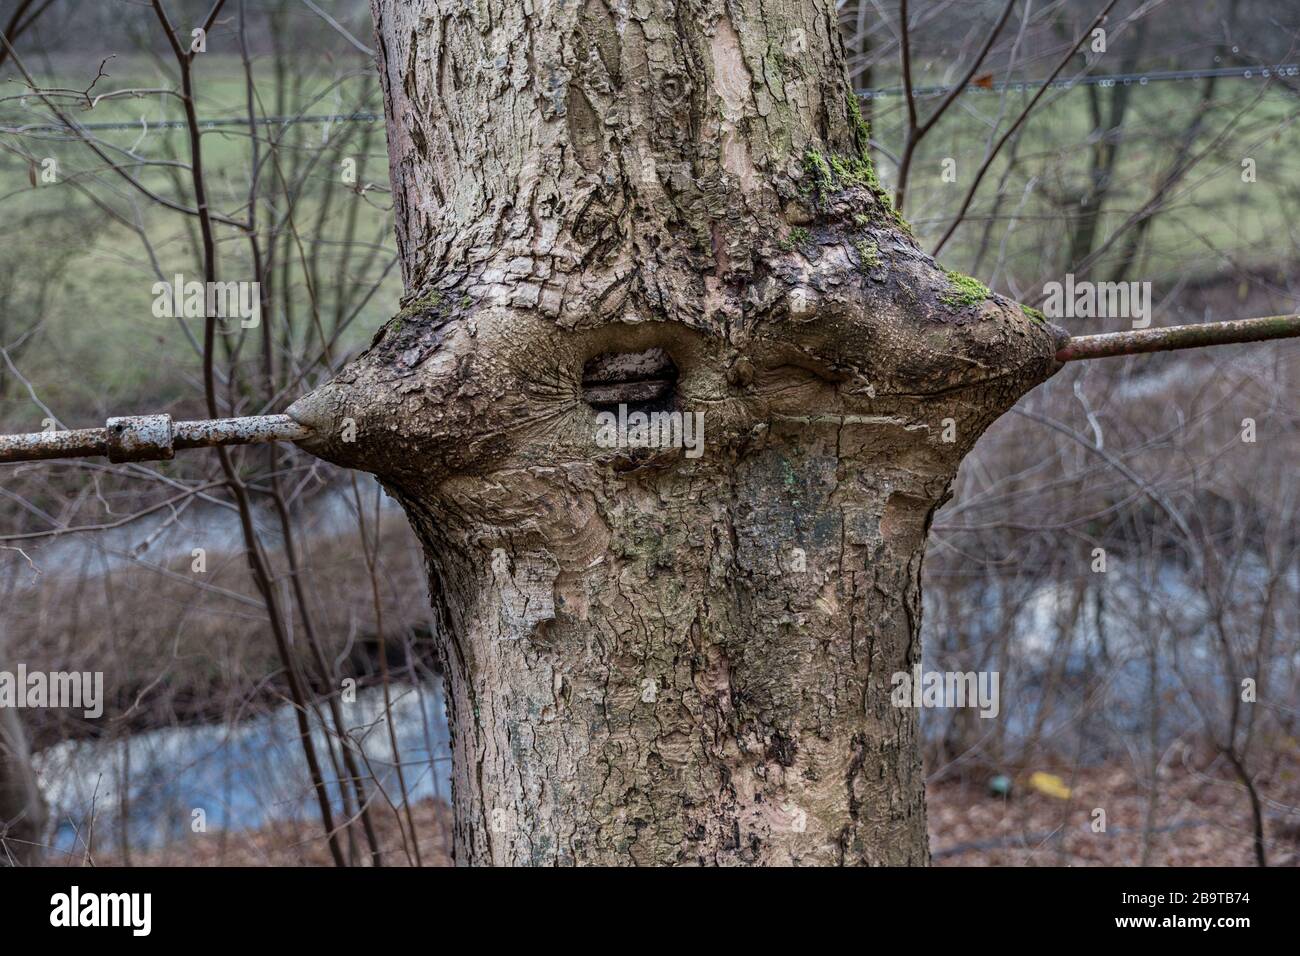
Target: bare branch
1024	114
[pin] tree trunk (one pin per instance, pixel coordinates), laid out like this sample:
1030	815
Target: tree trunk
22	808
654	656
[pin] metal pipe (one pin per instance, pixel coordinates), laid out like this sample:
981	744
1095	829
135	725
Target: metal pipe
156	437
251	430
38	446
1179	337
148	438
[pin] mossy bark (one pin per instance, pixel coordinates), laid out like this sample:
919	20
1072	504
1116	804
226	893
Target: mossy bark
653	657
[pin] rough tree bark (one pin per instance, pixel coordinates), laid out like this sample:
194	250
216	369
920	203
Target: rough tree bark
654	658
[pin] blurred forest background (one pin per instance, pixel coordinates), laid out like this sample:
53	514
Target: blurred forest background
1171	157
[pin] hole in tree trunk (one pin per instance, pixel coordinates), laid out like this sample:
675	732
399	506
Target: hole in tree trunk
643	381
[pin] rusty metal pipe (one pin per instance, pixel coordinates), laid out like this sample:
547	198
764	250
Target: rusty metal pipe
39	446
148	438
251	430
156	437
1179	337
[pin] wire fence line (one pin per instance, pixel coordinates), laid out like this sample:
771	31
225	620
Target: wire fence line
1104	80
359	117
1014	86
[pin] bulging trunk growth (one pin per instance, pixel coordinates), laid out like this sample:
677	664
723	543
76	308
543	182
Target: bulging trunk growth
678	653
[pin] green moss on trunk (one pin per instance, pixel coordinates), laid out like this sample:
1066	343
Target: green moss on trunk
965	290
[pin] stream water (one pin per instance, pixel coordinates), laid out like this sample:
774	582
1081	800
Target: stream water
235	776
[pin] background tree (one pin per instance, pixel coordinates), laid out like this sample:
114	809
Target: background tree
22	809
